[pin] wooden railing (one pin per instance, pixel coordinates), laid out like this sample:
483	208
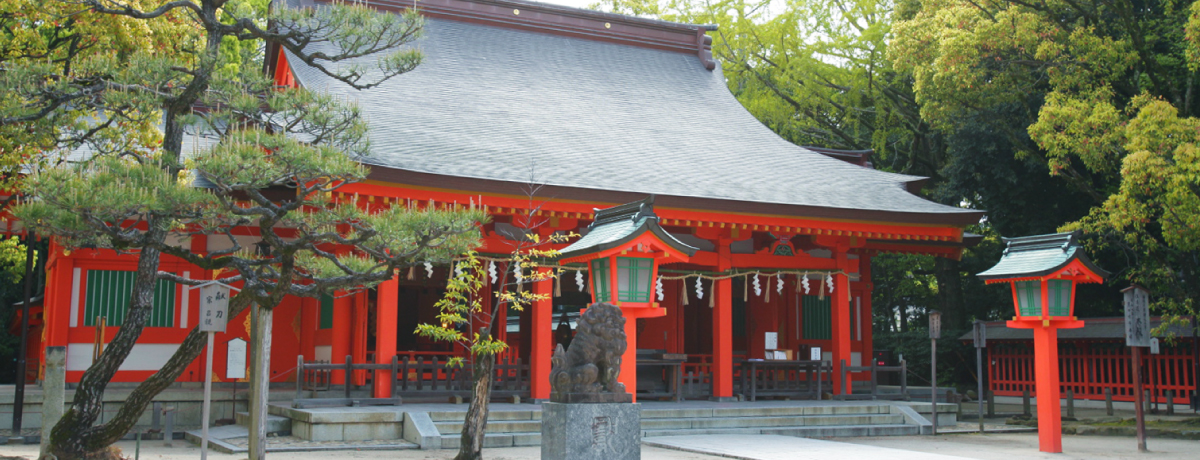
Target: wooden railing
874	369
421	375
802	379
1088	369
658	378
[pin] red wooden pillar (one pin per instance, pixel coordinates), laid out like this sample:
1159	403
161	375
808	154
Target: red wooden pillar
61	285
358	338
629	359
387	301
541	338
1045	349
722	350
866	316
340	341
841	329
309	321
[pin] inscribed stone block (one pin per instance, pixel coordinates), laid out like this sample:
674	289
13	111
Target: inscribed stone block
602	431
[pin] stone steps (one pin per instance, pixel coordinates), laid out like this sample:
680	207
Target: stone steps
523	428
276	425
829	431
504	428
767	422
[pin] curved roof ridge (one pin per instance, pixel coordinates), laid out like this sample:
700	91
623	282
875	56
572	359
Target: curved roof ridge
492	103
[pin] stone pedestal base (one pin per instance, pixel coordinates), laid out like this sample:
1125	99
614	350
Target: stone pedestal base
603	431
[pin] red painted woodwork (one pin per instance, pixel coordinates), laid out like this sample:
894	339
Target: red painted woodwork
340	340
387	304
1045	349
1089	367
722	316
541	336
358	343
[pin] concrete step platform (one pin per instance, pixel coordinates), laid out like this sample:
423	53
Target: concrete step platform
493	426
768	411
452	441
493	416
276	425
233	439
755	422
830	431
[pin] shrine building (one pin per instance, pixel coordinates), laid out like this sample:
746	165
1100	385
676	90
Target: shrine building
597	110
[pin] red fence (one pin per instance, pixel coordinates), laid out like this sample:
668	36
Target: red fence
1087	368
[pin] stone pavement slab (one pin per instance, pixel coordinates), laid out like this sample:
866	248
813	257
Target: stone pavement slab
768	447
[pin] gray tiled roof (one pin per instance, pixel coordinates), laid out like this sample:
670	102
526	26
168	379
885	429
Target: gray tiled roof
1093	328
615	226
1039	255
499	104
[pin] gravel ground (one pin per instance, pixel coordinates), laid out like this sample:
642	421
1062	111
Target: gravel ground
999	446
1009	446
155	451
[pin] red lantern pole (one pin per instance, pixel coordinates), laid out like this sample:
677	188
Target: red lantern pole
1045	349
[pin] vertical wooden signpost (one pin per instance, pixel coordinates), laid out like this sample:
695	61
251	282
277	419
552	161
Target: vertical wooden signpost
980	336
214	312
1137	335
935	332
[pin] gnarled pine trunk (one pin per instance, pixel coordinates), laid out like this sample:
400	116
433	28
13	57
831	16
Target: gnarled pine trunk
72	438
475	425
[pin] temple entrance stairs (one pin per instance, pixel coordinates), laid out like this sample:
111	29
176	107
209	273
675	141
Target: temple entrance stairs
841	420
523	428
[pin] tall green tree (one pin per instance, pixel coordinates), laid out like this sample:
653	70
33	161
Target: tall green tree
817	72
1110	87
120	81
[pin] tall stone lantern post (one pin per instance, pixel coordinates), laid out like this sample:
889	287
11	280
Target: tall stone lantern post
1043	271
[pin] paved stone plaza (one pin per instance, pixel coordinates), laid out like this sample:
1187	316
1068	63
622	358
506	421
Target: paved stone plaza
1007	446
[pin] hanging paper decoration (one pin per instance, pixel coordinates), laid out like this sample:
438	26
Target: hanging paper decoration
658	289
699	289
829	281
458	271
492	271
779	284
428	270
579	279
517	275
757	286
804	281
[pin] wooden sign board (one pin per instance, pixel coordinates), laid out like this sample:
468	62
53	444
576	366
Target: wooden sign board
935	325
980	334
214	307
1137	317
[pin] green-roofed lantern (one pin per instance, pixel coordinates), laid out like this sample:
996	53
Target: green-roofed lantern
623	249
1043	271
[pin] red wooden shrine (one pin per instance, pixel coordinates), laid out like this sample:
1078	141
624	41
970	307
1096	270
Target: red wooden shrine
613	109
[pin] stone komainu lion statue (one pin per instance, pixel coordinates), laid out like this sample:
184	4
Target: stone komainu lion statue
593	361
